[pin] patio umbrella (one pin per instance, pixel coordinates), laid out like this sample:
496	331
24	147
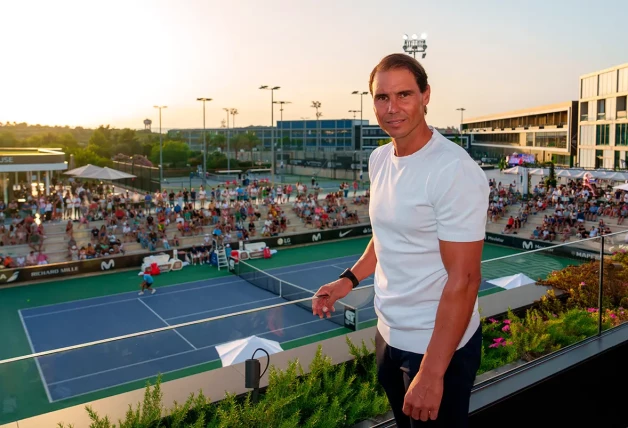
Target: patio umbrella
241	350
621	187
512	281
107	174
86	169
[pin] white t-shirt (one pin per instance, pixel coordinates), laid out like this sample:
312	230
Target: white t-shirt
436	193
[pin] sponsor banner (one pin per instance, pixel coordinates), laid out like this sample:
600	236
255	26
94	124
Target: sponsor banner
58	270
109	264
528	244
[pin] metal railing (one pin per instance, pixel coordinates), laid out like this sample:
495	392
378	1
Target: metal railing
549	249
539	262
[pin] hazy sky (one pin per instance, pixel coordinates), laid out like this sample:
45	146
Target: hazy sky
89	63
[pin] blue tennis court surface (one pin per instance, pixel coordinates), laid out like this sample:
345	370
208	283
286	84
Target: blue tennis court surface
86	370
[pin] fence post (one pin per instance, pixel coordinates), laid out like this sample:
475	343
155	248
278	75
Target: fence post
601	289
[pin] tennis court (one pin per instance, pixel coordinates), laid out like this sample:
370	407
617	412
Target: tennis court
98	367
86	370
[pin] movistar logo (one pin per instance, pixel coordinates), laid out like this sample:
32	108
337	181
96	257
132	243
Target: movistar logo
316	237
107	265
527	245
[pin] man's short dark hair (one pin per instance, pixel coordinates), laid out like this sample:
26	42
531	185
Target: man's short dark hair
401	61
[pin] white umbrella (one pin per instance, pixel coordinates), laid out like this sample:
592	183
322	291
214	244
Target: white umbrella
514	170
87	169
241	350
622	187
107	174
512	281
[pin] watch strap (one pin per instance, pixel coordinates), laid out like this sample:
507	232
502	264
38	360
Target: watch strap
348	274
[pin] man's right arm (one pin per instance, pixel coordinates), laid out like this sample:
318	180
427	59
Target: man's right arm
330	293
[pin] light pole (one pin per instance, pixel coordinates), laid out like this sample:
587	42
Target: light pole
204	142
233	112
281	103
228	110
361	94
317	105
415	44
461	109
161	149
272	130
354	112
304	119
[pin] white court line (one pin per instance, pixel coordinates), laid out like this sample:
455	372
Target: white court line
221	308
131	299
167	292
165	287
338	267
30	343
165	322
162	358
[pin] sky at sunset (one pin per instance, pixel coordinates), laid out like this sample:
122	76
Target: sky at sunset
88	63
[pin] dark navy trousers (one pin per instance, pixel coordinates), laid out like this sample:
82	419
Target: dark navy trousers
397	368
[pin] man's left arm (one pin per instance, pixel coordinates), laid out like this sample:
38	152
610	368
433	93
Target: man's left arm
460	199
462	263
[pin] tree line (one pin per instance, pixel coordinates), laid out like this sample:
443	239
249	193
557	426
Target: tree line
105	144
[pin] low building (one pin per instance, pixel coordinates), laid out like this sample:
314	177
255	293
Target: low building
547	132
28	169
603	136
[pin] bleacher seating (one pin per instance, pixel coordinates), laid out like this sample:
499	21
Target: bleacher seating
56	242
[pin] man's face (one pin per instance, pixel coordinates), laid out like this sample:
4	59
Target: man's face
398	102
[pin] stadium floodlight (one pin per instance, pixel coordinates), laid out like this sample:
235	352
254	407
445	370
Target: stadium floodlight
161	149
203	99
272	130
415	45
361	94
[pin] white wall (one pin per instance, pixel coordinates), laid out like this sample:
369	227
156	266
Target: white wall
587	135
586	158
608	83
623	79
589	87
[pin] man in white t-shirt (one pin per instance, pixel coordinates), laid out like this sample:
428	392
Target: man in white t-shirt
428	210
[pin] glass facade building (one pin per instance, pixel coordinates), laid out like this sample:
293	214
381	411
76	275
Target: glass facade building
308	135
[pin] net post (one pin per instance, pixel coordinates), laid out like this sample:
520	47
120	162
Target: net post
280	288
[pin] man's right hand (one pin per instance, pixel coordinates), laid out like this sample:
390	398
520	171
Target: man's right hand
328	294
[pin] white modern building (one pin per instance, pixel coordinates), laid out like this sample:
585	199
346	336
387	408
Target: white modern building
603	125
547	132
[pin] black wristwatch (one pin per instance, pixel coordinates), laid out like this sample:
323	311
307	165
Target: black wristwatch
348	274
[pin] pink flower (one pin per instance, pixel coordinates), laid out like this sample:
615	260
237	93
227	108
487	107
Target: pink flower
613	316
583	284
506	328
592	310
492	320
498	342
555	316
506	321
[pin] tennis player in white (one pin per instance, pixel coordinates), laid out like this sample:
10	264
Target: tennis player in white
428	210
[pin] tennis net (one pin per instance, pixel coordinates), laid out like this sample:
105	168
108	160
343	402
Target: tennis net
291	292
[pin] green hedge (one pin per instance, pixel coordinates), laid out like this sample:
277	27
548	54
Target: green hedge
328	396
